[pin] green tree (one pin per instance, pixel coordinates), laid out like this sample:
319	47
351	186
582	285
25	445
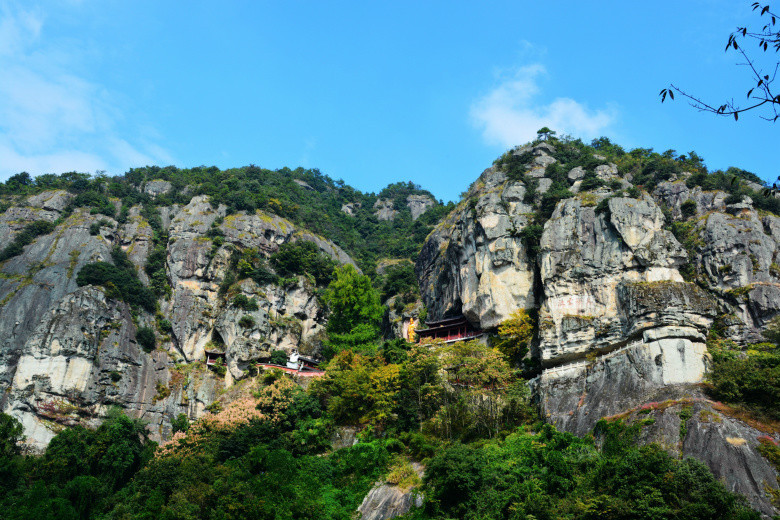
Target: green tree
146	339
11	435
352	301
181	423
515	335
279	357
545	133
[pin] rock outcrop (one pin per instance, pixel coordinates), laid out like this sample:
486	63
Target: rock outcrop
386	500
419	204
619	326
384	209
475	261
68	353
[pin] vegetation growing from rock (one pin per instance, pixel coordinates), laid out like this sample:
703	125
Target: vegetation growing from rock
145	337
303	258
120	280
25	237
748	377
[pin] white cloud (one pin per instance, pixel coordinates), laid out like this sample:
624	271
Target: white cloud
508	115
52	120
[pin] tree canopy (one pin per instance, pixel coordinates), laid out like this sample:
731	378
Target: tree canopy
352	300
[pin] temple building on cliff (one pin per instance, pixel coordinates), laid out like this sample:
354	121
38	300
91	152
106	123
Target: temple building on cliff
448	330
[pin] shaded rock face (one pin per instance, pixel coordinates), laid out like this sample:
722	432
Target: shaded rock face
618	325
419	204
67	353
384	209
475	262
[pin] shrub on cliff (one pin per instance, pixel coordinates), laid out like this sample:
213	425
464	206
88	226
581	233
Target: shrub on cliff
294	258
26	236
120	280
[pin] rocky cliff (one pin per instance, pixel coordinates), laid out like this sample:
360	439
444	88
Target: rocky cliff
68	353
623	306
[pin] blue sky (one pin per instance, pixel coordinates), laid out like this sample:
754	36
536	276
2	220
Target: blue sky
370	92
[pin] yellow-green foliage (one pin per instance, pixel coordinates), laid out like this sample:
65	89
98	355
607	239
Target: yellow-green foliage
402	474
515	335
74	258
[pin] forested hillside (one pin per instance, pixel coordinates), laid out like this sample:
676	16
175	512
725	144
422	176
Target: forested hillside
306	197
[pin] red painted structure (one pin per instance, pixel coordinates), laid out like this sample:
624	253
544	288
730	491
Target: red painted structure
213	355
448	330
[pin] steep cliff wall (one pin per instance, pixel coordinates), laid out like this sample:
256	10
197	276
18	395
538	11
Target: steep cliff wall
68	353
623	307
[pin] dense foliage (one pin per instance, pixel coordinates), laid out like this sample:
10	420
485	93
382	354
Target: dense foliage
553	475
304	258
78	476
748	377
120	280
353	301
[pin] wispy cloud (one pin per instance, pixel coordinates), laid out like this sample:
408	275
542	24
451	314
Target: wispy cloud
51	119
510	114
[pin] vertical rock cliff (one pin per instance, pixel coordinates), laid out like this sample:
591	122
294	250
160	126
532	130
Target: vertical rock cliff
68	353
623	307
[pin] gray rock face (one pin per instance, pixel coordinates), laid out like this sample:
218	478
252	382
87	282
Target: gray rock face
287	319
68	353
350	208
81	359
419	204
384	209
386	501
584	259
674	194
475	262
618	326
606	172
44	206
157	187
576	173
